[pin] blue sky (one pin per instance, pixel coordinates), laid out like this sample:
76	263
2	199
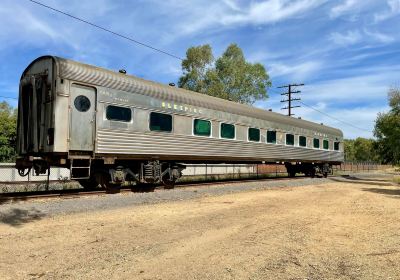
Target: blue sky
347	52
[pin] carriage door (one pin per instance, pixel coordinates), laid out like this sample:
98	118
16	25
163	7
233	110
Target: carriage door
82	125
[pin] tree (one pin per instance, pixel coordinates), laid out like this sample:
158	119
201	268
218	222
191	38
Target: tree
387	129
8	132
361	149
229	77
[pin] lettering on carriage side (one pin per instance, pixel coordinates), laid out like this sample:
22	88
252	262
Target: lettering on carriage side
180	107
113	96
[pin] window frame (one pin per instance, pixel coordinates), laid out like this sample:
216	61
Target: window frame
115	120
211	128
248	135
163	131
220	131
334	146
319	143
266	137
294	138
323	144
305	137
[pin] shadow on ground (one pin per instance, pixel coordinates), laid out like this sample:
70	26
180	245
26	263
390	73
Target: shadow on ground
350	177
17	217
362	181
383	191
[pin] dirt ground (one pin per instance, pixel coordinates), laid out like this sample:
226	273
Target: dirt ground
337	230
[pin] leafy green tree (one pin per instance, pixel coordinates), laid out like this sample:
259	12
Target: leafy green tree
229	77
361	149
387	129
349	154
8	132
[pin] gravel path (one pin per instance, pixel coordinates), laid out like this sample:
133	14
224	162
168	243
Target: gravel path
49	207
336	228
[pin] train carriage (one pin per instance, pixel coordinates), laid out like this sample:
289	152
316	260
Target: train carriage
108	127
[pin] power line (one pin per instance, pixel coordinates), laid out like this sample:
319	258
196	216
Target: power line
290	99
339	120
106	30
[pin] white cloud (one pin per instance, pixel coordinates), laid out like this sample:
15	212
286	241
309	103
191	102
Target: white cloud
343	8
394	9
379	37
270	11
348	38
352	37
228	13
294	71
232	4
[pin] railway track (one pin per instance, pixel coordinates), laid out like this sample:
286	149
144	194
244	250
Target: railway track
73	193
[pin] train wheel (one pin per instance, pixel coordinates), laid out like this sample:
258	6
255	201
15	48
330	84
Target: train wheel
88	184
103	179
168	184
325	174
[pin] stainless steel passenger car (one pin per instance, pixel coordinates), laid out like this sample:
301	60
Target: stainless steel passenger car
109	127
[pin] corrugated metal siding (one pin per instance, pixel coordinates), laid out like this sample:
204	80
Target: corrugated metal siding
102	77
139	143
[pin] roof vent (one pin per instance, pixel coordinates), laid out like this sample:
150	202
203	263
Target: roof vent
171	84
299	118
270	110
122	71
322	123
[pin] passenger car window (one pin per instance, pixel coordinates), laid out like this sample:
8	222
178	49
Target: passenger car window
227	131
201	127
316	143
117	113
302	141
271	137
290	139
160	122
336	146
254	134
326	144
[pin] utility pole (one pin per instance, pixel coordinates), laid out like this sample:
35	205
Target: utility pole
290	99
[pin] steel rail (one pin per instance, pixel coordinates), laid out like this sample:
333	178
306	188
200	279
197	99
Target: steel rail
74	193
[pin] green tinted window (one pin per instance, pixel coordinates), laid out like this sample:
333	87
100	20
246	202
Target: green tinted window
316	143
271	137
227	131
290	139
116	113
202	128
160	122
337	146
302	141
326	144
254	134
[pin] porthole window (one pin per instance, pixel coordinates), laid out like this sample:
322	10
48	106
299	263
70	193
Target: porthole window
290	139
201	127
160	122
227	131
254	134
302	141
271	137
82	103
326	145
316	143
116	113
336	146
